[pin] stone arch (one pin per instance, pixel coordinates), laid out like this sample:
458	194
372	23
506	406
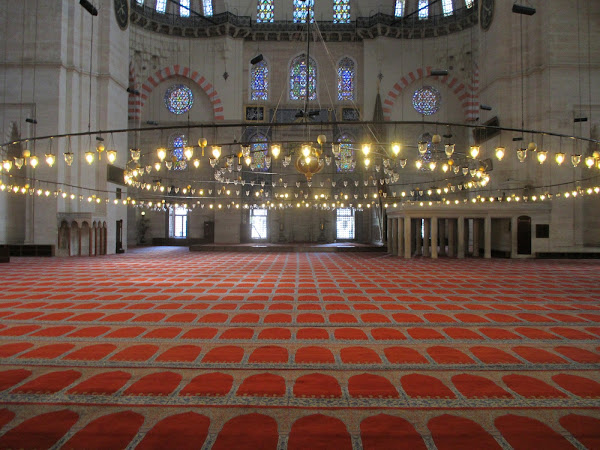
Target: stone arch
85	241
64	239
467	93
177	70
75	239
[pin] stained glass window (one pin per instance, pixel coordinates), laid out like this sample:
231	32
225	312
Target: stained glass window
259	81
399	8
177	142
258	150
298	79
423	9
345	162
301	10
341	11
344	223
184	8
427	100
265	11
179	99
469	3
346	76
208	7
447	7
161	6
140	2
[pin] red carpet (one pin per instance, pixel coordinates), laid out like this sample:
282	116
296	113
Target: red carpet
163	348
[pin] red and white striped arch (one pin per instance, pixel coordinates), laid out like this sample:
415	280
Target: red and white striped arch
467	93
176	70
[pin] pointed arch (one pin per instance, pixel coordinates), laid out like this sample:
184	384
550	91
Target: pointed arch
467	93
259	81
297	74
346	78
176	70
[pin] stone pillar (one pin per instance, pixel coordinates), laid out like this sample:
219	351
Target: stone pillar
389	235
452	237
461	237
419	249
487	237
442	230
400	241
467	233
476	229
434	237
395	237
513	236
426	236
407	237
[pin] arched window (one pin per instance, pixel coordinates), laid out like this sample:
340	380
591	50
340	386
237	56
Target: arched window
341	11
447	7
208	7
184	8
345	161
301	10
298	79
346	76
177	141
258	150
265	11
259	81
161	6
399	8
423	9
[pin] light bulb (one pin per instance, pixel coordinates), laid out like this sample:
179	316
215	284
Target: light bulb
589	161
50	159
89	157
7	165
500	152
111	155
395	148
188	152
305	150
196	163
432	165
419	164
161	153
541	156
34	161
559	158
216	151
275	150
157	166
367	162
248	160
366	149
474	151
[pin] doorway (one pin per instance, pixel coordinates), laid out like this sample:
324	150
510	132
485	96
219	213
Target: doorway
524	235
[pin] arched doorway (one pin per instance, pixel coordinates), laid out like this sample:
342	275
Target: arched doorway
524	235
85	239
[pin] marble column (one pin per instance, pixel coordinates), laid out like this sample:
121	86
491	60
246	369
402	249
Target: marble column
487	237
461	237
426	236
476	230
395	237
434	237
452	237
400	241
407	237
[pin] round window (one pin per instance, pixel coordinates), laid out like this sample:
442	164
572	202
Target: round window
179	99
427	100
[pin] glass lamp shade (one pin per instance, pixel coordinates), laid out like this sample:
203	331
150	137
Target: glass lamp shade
89	157
50	159
402	163
575	160
541	156
157	166
590	162
188	152
169	164
395	148
68	158
19	162
135	154
559	158
500	152
7	165
306	150
474	151
196	163
419	164
422	146
111	155
465	170
449	149
34	161
366	149
216	151
522	154
161	153
275	150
